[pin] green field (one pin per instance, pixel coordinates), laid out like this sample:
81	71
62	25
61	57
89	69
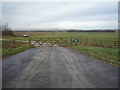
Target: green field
97	35
97	44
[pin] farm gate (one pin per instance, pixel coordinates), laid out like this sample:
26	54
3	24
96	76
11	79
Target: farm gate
68	41
50	41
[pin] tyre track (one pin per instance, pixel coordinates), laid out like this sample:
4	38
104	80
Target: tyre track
35	75
94	71
79	81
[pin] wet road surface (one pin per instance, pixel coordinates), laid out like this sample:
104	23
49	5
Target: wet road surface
57	67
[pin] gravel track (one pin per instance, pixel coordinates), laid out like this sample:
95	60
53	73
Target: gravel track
57	67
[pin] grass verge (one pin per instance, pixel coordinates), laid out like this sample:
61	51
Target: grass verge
11	51
106	54
12	47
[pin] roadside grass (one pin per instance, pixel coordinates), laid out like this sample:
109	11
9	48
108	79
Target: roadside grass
10	48
11	51
0	49
0	52
106	54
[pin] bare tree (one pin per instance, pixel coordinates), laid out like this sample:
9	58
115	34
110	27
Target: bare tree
6	31
0	25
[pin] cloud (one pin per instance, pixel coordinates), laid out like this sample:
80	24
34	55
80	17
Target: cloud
0	10
60	15
60	0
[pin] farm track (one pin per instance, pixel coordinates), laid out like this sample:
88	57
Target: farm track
57	67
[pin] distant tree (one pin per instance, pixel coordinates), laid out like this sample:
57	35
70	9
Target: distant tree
6	31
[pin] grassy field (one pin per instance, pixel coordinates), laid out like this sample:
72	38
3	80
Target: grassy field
97	44
92	35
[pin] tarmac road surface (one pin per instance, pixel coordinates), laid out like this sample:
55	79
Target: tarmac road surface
57	67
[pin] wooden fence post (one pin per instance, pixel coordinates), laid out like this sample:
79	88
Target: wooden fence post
86	41
101	42
71	40
118	44
13	41
114	43
29	41
51	41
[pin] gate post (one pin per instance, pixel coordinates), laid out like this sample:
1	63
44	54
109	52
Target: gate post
29	41
71	40
114	43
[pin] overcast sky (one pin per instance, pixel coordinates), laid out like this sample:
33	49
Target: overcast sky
60	15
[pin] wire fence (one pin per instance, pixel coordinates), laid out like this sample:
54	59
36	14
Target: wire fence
99	43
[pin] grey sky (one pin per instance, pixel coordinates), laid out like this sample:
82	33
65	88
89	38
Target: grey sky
60	15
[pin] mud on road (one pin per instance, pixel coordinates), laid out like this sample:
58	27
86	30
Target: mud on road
57	67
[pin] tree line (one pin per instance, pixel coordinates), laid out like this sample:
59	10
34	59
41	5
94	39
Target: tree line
91	30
